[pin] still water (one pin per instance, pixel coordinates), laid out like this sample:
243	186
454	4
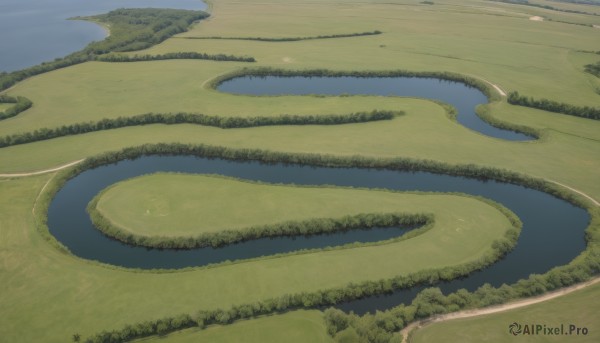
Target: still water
464	98
552	234
36	31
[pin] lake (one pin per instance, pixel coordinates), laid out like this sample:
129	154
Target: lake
36	31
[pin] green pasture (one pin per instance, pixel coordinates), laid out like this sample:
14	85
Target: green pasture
292	327
48	295
175	205
579	308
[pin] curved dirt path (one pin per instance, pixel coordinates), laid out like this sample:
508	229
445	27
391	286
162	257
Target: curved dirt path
495	309
495	86
38	172
509	306
576	191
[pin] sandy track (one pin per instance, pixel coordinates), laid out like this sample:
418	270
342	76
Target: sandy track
38	172
508	306
576	191
496	309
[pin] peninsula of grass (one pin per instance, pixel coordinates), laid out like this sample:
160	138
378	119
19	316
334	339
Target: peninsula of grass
173	56
191	118
190	211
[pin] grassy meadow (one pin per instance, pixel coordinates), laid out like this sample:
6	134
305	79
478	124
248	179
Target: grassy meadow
181	205
48	295
292	327
579	308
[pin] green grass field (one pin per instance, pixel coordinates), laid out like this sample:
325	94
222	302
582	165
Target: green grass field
579	308
292	327
48	295
98	291
183	205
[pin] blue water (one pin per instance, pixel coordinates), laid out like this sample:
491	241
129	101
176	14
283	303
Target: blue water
552	234
36	31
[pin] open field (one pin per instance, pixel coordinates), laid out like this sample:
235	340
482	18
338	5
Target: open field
182	205
95	294
292	327
48	295
579	308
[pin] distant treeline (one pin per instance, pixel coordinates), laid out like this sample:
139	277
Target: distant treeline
368	327
547	7
21	103
130	30
173	56
593	69
218	239
515	98
582	2
195	118
292	39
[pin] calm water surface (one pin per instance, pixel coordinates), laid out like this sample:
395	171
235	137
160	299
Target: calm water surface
36	31
553	230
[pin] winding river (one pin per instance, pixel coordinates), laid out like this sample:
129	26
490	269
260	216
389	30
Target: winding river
552	231
552	234
464	98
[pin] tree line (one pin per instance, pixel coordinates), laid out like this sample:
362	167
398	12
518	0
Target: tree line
218	239
131	29
292	39
515	98
288	302
195	118
380	326
593	69
484	113
173	56
21	104
429	303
